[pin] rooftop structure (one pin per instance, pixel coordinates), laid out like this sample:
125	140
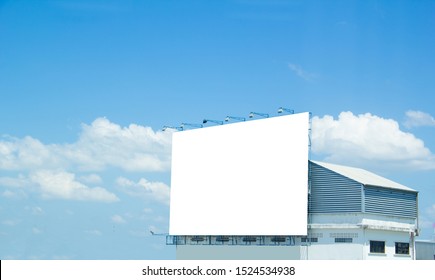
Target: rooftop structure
248	190
352	214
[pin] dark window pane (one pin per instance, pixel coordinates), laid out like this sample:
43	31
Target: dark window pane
377	246
402	248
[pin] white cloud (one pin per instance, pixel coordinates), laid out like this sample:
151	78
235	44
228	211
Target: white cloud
118	219
418	118
101	145
61	184
10	223
8	194
36	230
301	72
91	179
16	194
146	214
134	148
125	183
14	182
158	190
366	137
36	210
143	188
25	153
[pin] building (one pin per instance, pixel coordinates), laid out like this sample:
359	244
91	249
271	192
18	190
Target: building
425	250
352	214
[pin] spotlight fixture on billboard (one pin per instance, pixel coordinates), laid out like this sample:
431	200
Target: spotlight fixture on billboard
183	125
282	109
213	121
228	118
172	127
252	114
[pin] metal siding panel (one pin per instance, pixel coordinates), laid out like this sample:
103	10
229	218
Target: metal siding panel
332	192
390	202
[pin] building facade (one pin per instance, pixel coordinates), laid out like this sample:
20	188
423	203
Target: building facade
425	250
352	214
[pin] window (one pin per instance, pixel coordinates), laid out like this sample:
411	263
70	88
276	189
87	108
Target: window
402	248
278	239
311	239
343	240
377	246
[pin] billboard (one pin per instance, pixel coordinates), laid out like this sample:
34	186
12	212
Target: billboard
245	178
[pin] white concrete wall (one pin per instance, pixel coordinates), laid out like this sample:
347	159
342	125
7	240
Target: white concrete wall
390	238
230	252
325	227
343	251
327	249
355	219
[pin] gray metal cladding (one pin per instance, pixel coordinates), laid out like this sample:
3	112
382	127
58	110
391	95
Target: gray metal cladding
332	192
390	202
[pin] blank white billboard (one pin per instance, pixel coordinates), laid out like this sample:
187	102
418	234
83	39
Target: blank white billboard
245	178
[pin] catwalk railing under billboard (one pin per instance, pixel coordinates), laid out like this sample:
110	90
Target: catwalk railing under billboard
231	240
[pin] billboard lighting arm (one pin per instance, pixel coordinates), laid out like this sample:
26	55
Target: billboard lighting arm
213	121
227	119
282	109
251	115
153	233
191	124
172	127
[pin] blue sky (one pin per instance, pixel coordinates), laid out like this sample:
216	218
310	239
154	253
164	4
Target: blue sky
86	86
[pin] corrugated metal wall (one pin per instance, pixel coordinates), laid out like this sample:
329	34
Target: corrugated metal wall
390	202
332	192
